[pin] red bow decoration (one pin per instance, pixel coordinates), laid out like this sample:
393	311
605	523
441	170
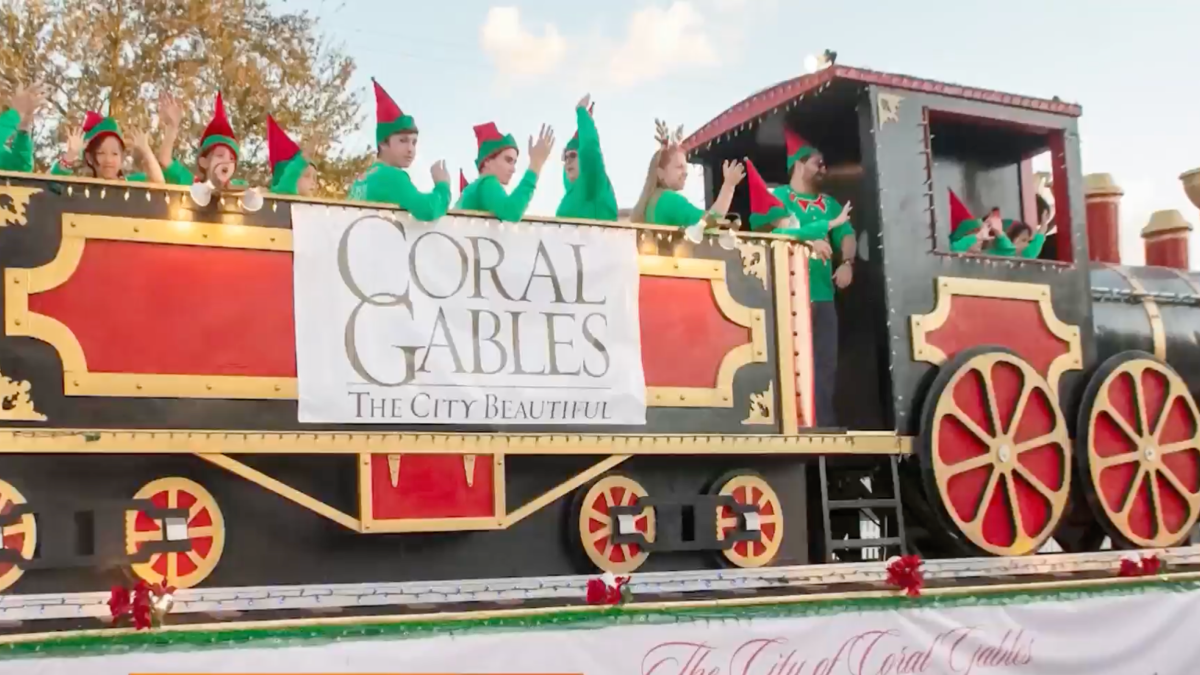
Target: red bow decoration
141	604
905	573
607	590
1146	566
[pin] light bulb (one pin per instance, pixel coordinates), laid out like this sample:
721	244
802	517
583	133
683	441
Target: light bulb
695	233
202	193
811	64
727	240
252	200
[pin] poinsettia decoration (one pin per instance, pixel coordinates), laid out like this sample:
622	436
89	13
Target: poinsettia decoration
608	589
144	605
904	572
1143	566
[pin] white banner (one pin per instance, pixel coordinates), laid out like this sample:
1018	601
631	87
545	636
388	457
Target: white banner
1150	634
464	321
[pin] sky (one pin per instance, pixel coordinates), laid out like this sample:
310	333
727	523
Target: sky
520	63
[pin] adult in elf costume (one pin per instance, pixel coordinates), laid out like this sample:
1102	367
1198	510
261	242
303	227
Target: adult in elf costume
496	160
16	145
387	180
661	202
819	221
589	192
219	150
97	150
993	235
291	173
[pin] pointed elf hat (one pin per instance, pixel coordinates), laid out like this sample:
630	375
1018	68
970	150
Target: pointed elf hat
96	127
491	142
287	160
797	148
765	208
218	132
573	144
462	181
389	118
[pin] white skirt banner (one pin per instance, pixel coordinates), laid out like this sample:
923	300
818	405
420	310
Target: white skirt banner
464	321
1153	633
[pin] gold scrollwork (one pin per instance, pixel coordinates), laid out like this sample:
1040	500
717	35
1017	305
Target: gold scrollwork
754	260
15	211
15	402
889	108
762	407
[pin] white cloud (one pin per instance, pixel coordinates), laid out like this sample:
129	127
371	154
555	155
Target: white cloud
518	53
659	42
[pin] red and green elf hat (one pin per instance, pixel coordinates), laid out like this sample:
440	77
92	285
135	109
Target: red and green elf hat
573	144
96	127
287	161
218	132
797	148
462	181
765	208
491	142
389	119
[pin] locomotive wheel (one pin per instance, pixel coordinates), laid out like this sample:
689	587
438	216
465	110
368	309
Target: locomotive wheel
21	537
747	487
1140	451
996	452
205	529
596	526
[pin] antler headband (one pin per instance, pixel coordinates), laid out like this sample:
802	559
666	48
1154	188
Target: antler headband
663	134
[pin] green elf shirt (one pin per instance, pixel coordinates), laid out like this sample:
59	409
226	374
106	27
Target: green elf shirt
815	212
17	156
591	195
391	185
964	237
178	174
672	208
488	195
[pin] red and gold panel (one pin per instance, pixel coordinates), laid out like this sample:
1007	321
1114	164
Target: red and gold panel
431	492
1016	316
161	308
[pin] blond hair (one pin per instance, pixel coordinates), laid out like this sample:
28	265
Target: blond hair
668	145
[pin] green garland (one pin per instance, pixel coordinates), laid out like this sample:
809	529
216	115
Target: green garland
93	644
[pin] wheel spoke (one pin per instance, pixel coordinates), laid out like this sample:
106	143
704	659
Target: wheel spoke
1035	482
195	558
601	533
173	498
172	568
198	532
1140	394
971	464
608	549
627	549
987	497
1018	520
1133	490
1116	460
1022	400
1178	485
993	407
1121	423
594	514
1160	519
1035	443
1180	446
140	536
194	510
972	426
1173	392
771	519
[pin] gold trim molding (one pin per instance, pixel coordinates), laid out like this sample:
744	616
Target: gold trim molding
949	287
15	401
754	260
754	351
16	211
785	338
369	524
889	108
762	407
1158	331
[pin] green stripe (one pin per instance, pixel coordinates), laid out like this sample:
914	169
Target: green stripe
489	148
212	141
581	618
385	130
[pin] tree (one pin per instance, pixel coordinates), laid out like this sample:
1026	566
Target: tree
116	56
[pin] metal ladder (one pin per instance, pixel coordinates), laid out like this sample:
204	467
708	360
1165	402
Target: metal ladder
894	502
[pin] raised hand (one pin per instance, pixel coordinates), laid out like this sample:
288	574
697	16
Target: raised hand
139	141
733	172
843	217
75	144
585	103
27	100
439	172
170	113
539	152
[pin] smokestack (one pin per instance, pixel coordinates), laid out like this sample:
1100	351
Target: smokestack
1103	198
1191	185
1166	237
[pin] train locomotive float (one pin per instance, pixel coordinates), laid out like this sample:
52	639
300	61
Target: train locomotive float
988	404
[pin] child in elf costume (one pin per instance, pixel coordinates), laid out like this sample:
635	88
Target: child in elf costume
219	149
661	203
816	219
291	173
97	150
497	162
387	180
16	145
992	235
589	192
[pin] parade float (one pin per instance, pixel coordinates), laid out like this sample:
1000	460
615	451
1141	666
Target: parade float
317	436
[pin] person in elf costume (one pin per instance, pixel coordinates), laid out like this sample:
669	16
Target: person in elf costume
97	150
16	145
291	173
496	160
387	180
219	150
818	220
589	192
993	235
661	202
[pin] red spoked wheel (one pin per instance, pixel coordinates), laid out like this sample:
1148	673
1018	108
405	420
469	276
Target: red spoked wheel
204	526
1140	449
749	488
996	452
21	537
597	526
